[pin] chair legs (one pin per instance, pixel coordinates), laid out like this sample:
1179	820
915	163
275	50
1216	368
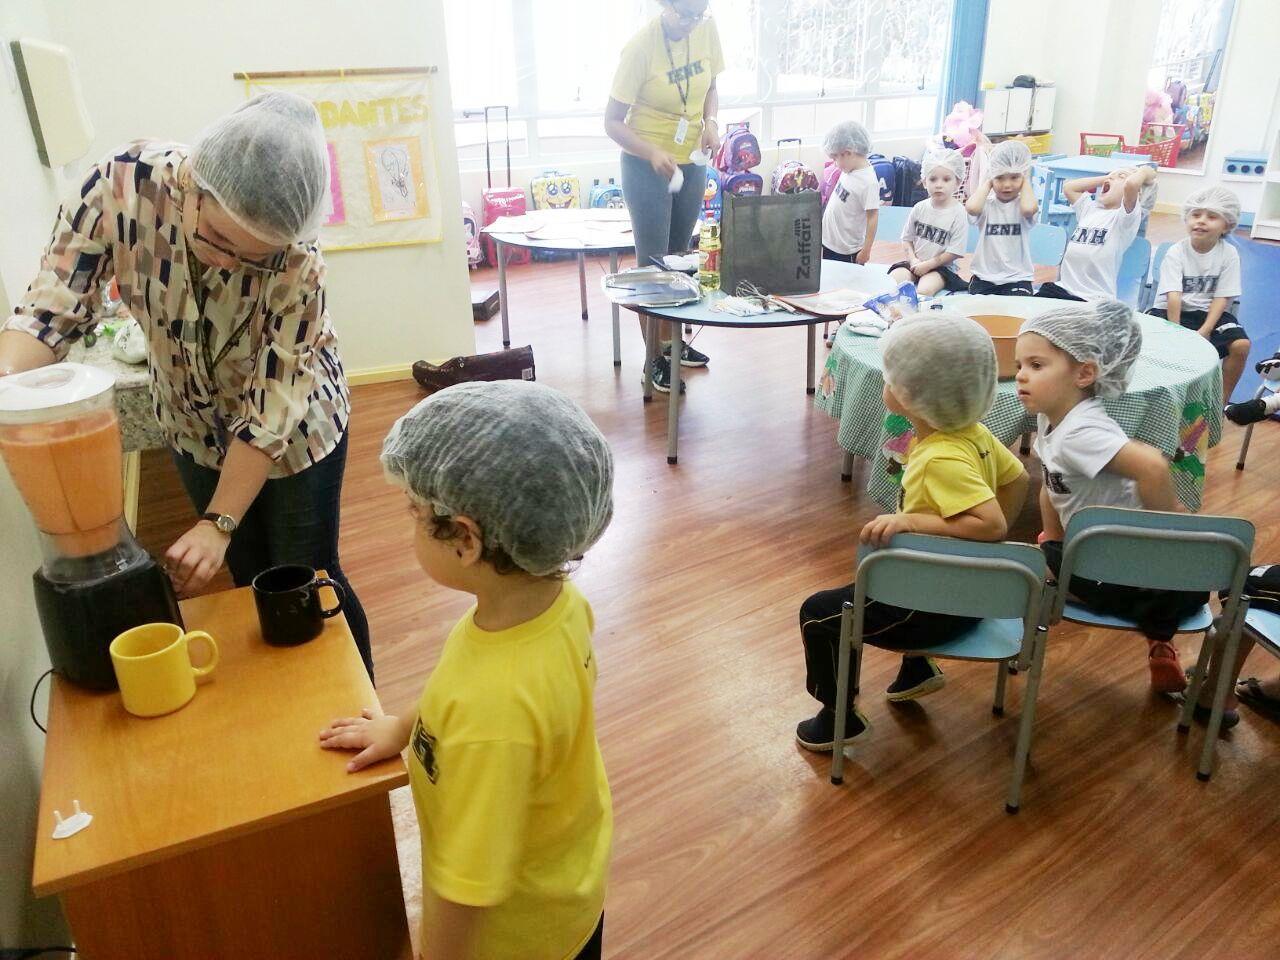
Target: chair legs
1192	695
1002	672
1248	431
1027	721
1222	642
842	688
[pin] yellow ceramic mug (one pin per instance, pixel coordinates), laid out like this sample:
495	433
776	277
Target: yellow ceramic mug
154	667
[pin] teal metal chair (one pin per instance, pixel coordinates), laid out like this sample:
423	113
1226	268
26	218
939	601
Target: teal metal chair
890	223
1048	245
1134	267
1150	287
1001	582
1164	551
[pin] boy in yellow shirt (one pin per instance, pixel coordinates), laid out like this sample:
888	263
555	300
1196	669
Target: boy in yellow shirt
939	373
507	483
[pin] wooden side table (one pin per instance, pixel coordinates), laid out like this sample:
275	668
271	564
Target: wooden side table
223	830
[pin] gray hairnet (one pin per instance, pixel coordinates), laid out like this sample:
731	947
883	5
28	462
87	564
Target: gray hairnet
1220	200
1105	333
1008	156
942	366
520	459
847	135
267	165
951	159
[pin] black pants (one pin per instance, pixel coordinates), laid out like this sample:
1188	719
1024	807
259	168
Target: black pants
951	281
1056	292
1018	288
1226	332
829	254
591	950
883	625
1158	612
292	520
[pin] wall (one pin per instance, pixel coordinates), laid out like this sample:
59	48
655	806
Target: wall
165	71
1098	55
28	199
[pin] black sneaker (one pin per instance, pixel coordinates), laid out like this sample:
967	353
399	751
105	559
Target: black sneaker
1246	412
662	376
818	733
917	677
689	357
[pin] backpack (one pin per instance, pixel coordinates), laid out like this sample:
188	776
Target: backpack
739	151
712	200
1261	588
608	195
471	235
555	190
907	188
830	177
743	184
886	175
793	176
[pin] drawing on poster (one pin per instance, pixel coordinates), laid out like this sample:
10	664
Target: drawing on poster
396	186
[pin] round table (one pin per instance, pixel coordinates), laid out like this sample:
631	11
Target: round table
835	276
1174	403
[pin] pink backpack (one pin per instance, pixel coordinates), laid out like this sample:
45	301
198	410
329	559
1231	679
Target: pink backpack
830	177
793	176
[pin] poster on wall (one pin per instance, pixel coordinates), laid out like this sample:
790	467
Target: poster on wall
383	183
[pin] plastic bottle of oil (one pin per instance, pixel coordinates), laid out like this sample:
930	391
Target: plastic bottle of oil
709	248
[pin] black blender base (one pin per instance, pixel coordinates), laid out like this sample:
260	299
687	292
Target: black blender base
81	619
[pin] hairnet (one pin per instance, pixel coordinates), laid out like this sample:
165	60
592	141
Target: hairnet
847	135
951	159
942	366
1147	196
1220	200
520	459
1008	156
1105	333
266	163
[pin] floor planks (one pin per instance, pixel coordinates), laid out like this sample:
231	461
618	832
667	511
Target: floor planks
730	841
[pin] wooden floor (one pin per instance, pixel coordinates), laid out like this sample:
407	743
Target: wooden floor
730	840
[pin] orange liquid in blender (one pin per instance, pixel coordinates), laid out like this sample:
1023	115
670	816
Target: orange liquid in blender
70	474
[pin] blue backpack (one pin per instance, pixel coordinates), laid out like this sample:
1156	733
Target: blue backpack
608	195
886	174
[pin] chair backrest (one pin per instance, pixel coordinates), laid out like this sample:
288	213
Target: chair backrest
971	240
1133	157
1160	551
1048	244
1150	289
1133	270
890	223
959	577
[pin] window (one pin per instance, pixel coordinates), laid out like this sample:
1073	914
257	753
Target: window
794	67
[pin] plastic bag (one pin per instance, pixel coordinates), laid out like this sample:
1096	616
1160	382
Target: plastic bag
891	307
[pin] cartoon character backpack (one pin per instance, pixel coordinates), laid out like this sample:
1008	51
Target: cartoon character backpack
471	235
793	176
739	151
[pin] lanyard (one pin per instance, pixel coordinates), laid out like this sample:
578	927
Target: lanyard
682	90
195	278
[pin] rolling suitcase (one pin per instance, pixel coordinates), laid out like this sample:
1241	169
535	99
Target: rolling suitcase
498	202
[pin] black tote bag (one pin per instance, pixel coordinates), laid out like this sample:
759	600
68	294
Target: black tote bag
773	242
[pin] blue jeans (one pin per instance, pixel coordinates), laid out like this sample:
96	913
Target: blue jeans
661	222
292	520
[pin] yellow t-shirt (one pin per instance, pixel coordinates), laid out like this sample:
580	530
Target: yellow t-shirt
951	472
653	73
509	783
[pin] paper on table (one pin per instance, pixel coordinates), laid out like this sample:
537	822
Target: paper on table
828	303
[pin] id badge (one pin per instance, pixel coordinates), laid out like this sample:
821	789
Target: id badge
682	130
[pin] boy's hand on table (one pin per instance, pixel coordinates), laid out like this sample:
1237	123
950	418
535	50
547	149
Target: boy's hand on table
376	735
880	531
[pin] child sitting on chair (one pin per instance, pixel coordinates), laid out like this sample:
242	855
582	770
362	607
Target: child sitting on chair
849	222
1259	408
959	481
1200	276
1068	359
1106	223
508	483
936	230
1004	208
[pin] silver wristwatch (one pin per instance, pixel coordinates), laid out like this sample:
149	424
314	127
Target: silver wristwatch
225	523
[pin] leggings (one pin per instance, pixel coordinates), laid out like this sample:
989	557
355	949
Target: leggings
661	222
292	520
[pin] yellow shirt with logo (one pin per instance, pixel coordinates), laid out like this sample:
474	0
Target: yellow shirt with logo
950	472
653	73
510	787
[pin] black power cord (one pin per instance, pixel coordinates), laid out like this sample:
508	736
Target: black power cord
4	955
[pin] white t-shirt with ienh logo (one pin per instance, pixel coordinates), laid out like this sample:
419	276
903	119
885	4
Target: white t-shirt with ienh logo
932	230
1004	241
1199	277
1075	455
844	222
1091	265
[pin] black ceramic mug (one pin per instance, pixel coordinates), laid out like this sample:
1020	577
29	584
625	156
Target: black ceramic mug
288	602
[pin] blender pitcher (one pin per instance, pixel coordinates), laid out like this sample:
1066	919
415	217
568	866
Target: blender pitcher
60	439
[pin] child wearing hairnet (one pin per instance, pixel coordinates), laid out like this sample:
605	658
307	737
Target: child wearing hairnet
959	481
1068	361
1200	276
849	221
936	231
1109	212
507	484
1004	208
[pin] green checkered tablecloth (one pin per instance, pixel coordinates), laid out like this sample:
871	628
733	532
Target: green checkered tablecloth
1174	403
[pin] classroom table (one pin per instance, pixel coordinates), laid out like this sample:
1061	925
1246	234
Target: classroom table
223	830
1063	169
1174	403
871	280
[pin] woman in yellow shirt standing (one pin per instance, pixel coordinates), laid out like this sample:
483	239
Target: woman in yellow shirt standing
661	109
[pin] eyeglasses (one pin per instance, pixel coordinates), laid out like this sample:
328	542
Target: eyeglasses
690	18
268	264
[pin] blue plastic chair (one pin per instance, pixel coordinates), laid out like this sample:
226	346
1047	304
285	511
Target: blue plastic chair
1053	210
1164	551
1134	267
1150	286
1001	582
890	223
1048	245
